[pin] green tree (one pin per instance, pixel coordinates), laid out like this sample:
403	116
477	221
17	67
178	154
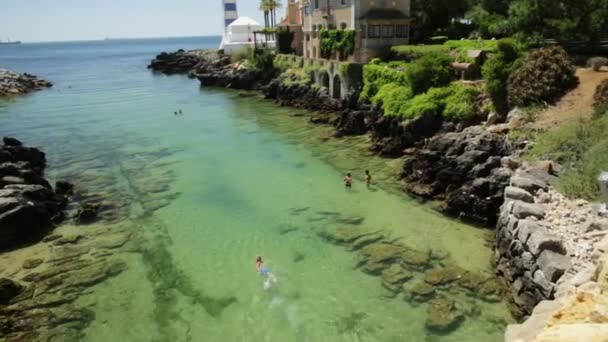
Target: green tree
274	5
434	15
265	7
496	72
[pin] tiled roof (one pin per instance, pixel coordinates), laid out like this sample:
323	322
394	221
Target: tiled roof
384	13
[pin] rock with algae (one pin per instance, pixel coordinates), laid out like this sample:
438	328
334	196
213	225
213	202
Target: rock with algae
394	277
442	315
421	292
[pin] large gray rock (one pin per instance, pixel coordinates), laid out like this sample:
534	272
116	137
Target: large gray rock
527	183
523	210
543	284
525	228
553	265
541	240
8	203
518	194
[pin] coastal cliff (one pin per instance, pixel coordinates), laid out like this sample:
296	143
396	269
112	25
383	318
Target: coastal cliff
12	83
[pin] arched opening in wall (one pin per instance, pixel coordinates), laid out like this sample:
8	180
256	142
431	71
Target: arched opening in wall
337	87
343	25
325	79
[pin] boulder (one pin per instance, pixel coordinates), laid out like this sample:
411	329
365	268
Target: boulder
9	141
553	265
524	210
64	188
518	194
9	289
541	240
529	184
544	285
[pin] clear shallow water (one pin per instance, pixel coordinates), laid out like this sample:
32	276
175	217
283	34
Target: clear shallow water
204	193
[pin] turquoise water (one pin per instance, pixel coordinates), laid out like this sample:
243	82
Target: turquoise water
204	193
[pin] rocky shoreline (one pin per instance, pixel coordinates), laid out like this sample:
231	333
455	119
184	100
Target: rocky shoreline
45	272
13	83
29	206
475	171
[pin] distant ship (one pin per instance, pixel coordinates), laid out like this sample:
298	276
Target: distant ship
8	41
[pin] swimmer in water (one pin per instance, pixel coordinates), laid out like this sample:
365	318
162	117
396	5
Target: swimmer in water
348	181
264	271
368	178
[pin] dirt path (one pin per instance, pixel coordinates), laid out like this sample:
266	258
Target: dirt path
576	104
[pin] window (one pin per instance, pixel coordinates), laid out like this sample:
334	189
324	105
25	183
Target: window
342	26
402	31
316	4
343	2
388	31
229	7
307	10
374	31
363	31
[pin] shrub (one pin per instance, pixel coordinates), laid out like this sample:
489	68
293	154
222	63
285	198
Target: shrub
261	59
377	75
240	55
431	70
596	63
600	97
430	103
342	41
497	69
545	76
392	97
412	52
580	146
460	105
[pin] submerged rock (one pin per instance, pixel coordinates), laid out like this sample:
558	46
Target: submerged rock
443	275
9	289
88	212
421	292
32	263
394	277
442	315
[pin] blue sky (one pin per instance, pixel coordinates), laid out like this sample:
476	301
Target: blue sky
56	20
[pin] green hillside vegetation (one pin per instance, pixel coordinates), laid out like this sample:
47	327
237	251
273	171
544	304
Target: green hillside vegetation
580	147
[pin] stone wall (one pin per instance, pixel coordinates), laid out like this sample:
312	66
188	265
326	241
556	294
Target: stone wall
530	256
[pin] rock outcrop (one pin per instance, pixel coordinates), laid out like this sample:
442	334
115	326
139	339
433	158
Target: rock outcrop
182	62
13	83
28	204
301	96
468	169
391	135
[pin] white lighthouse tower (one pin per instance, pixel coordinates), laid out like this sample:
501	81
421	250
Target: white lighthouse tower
230	12
238	31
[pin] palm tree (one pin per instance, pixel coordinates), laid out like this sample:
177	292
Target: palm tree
265	6
274	5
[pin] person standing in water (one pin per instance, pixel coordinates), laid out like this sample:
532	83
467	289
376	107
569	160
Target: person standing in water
348	181
269	278
368	178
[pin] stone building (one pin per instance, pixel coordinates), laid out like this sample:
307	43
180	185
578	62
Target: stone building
379	24
293	23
